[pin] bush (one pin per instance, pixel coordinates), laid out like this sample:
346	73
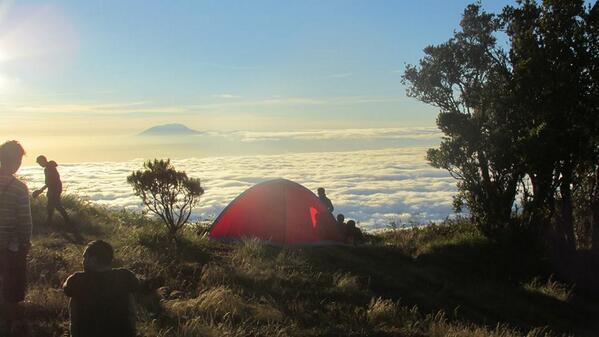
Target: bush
166	192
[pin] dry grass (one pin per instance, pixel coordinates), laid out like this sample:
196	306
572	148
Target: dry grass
214	275
346	282
219	302
550	287
381	311
253	289
222	303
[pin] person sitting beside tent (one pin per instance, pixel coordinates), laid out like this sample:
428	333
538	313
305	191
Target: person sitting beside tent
354	234
323	197
341	224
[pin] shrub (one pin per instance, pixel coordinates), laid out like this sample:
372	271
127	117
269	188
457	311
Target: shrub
166	192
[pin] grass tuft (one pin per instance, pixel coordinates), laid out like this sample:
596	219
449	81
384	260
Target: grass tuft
381	311
551	288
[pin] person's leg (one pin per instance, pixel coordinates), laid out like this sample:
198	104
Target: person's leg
53	203
69	225
64	213
12	313
15	280
50	213
6	310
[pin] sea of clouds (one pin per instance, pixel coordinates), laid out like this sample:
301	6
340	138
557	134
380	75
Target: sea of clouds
374	187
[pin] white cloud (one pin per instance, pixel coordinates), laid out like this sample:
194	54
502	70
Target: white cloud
423	133
226	96
340	75
374	187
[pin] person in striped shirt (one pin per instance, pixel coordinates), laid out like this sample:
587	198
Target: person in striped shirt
15	231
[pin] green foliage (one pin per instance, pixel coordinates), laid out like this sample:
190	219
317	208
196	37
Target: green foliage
552	54
166	192
520	118
467	78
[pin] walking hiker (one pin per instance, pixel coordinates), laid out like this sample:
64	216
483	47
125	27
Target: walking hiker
54	186
15	235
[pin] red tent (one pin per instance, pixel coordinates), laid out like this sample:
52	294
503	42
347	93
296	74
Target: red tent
279	211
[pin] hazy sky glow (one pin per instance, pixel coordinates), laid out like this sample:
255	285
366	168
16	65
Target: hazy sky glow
307	90
100	68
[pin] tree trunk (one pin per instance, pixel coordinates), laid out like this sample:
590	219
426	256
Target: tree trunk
595	213
535	210
595	226
566	220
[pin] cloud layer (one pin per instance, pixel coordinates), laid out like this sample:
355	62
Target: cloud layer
374	187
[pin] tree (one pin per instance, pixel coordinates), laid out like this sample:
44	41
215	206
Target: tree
554	54
467	78
519	121
592	21
166	192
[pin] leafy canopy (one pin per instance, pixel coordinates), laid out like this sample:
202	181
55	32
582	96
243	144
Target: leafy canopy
166	192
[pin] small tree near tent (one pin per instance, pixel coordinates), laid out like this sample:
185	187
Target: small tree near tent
169	194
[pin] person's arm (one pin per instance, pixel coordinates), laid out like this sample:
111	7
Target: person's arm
70	286
24	222
38	192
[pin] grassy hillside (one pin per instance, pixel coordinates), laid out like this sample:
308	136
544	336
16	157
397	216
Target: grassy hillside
435	281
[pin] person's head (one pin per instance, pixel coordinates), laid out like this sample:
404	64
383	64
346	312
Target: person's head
321	191
351	224
42	161
11	156
340	218
97	256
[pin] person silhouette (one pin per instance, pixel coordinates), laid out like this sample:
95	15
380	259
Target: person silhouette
341	226
15	235
325	200
101	297
354	234
341	219
54	186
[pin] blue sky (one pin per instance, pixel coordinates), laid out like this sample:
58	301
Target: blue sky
117	67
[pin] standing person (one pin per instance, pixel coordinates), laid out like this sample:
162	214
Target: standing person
323	197
15	233
101	297
54	186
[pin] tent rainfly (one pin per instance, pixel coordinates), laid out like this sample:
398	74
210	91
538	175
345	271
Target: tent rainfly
279	211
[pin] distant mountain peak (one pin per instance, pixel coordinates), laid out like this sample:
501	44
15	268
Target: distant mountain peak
174	129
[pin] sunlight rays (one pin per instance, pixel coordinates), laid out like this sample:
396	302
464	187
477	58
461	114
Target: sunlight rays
35	40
